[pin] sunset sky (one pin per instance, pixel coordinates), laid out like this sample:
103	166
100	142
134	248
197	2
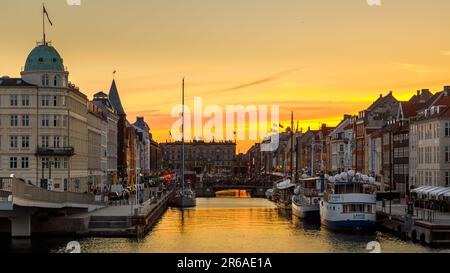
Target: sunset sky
319	58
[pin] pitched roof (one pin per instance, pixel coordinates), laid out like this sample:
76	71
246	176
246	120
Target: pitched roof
410	108
381	100
114	98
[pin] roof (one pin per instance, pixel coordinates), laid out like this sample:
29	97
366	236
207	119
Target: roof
6	81
114	98
141	124
381	100
44	57
410	109
422	96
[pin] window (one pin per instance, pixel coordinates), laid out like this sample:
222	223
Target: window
45	101
55	81
14	141
447	179
25	100
25	163
447	154
25	142
45	80
14	120
14	100
45	162
55	121
44	141
65	163
447	129
25	120
13	162
55	101
56	142
57	163
45	122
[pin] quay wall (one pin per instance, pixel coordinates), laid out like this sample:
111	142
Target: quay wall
416	230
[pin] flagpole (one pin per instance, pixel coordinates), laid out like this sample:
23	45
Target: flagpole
43	22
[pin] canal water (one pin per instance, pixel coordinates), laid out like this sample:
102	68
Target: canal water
230	223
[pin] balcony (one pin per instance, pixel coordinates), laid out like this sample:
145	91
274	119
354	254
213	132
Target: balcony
66	151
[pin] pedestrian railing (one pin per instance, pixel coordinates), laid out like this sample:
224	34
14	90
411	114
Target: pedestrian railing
20	189
6	189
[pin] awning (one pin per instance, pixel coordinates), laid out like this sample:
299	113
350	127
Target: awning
437	192
420	189
286	184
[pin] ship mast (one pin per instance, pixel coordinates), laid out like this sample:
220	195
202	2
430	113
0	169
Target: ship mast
292	147
182	144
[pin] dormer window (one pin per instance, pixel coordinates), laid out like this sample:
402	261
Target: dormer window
41	60
45	80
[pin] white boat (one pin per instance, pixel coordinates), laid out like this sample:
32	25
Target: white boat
285	191
269	194
349	203
184	196
307	197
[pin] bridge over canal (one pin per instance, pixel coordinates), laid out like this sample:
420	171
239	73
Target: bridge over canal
19	202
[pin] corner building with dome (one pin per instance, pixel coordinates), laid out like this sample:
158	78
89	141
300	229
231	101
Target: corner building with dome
44	125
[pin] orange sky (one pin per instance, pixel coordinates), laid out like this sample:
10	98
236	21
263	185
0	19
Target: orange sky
320	58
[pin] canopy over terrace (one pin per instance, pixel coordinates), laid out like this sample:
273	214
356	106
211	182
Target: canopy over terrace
431	192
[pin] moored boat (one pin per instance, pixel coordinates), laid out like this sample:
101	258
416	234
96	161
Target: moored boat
269	194
307	197
184	198
285	191
349	203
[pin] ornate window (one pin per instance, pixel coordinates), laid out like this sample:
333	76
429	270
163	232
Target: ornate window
45	80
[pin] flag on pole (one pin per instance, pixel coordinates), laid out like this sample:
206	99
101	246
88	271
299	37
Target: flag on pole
48	17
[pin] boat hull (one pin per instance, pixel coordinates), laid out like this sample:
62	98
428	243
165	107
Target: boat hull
305	211
349	226
335	215
284	206
183	202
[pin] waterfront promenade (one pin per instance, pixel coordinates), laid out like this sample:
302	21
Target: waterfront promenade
424	225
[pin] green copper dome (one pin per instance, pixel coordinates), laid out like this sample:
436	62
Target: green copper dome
44	58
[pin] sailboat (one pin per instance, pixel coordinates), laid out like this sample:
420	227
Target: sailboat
184	196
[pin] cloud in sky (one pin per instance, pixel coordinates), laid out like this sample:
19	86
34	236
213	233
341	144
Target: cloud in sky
412	68
271	78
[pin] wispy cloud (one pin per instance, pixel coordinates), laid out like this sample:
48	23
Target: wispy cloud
270	78
412	68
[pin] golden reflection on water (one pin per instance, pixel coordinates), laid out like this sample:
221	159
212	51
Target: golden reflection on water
243	225
234	193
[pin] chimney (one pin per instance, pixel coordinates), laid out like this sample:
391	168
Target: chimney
446	90
418	93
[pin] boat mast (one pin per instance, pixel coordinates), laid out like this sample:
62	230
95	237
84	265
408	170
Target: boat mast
292	147
182	144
